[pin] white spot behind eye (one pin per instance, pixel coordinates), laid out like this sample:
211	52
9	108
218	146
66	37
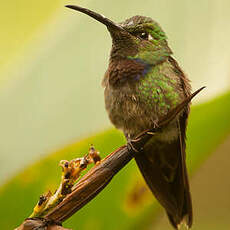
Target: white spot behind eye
150	37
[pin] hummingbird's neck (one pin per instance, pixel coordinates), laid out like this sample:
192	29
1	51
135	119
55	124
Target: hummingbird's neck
121	50
123	45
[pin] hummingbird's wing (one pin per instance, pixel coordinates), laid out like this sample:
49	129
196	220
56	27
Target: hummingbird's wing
164	169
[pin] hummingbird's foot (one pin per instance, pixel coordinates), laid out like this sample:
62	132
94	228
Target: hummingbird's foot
130	146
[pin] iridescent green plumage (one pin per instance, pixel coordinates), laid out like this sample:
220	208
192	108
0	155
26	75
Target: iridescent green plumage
156	88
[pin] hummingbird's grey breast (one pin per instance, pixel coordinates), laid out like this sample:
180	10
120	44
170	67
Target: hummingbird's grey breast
135	102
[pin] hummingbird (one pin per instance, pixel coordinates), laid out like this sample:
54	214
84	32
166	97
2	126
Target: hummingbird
144	82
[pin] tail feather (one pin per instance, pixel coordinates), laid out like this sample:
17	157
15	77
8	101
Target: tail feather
163	167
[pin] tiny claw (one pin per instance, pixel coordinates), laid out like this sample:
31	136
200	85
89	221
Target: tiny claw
130	146
135	140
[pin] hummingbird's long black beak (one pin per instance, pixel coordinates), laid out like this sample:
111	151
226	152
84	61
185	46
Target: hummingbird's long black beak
110	24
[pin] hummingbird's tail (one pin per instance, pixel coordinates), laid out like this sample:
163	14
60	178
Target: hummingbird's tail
163	167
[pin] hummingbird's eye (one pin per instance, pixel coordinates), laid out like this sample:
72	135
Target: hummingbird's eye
144	35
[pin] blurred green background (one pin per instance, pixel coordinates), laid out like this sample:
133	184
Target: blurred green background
51	65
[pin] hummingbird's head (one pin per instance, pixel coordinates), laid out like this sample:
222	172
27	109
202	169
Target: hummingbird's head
135	35
145	29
